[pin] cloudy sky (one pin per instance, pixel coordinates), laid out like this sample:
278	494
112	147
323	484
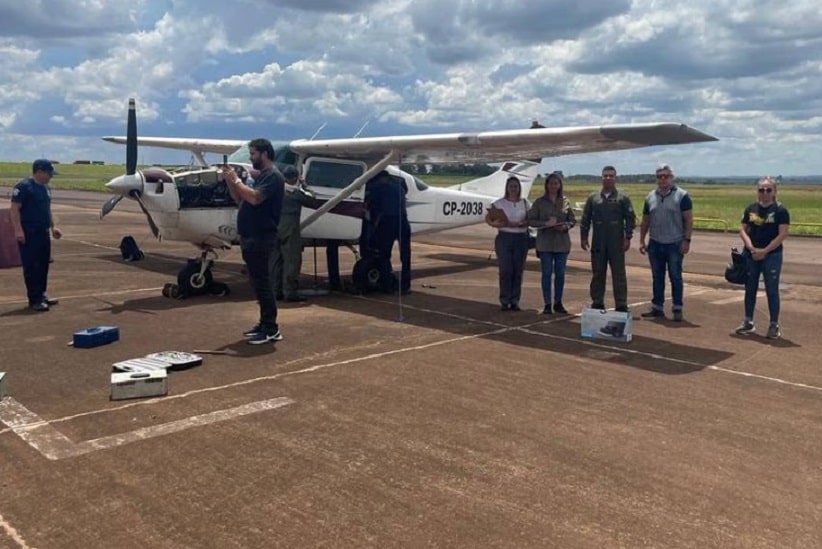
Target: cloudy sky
746	71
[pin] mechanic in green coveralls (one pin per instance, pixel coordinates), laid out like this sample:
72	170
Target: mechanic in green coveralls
611	215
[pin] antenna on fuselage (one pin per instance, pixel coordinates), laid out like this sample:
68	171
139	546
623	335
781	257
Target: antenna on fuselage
318	131
367	122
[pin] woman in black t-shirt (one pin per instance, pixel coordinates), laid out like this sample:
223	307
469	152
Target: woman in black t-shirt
764	227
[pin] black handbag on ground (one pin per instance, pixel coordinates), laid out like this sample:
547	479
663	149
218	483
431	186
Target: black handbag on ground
737	270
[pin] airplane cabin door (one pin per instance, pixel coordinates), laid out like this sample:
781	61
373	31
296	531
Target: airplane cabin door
326	177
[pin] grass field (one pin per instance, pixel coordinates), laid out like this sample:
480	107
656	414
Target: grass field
717	207
721	203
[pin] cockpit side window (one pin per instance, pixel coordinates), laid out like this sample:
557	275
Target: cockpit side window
419	184
336	175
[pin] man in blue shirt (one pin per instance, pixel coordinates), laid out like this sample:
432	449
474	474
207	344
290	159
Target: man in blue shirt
31	219
257	221
668	218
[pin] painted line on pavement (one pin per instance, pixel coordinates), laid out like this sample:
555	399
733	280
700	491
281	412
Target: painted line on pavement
593	343
86	296
735	299
13	534
46	439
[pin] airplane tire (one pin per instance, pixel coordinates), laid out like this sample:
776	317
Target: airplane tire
366	275
190	281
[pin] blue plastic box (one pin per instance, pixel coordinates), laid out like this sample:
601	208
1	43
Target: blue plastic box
94	337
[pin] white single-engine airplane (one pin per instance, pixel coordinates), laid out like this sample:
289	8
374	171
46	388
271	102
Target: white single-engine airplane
194	205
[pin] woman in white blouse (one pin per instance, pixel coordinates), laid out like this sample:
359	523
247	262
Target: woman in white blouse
507	215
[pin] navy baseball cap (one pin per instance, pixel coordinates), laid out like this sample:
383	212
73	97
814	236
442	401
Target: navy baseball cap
43	164
290	172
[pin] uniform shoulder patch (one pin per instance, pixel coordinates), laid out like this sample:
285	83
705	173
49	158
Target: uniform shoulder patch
15	192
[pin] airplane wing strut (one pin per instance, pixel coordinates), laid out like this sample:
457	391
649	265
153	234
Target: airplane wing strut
350	189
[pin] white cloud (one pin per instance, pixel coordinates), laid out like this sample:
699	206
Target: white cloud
748	71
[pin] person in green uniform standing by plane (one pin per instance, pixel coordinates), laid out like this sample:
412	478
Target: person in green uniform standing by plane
611	215
288	261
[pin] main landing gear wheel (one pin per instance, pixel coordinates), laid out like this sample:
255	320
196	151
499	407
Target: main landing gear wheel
366	275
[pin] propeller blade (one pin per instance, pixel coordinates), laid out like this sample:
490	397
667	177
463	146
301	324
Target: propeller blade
109	205
154	230
131	139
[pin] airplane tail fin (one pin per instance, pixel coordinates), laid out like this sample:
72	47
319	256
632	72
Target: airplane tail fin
494	184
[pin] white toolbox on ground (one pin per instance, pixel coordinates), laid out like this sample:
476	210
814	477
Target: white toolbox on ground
125	385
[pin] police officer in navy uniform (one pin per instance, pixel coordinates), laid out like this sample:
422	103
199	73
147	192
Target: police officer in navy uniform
389	219
32	220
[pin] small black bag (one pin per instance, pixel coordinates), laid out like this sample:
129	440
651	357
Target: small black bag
737	270
129	249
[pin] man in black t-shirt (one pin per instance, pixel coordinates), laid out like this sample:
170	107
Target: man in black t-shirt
764	227
257	222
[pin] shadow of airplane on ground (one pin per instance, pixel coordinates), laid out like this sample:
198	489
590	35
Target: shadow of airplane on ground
528	329
462	317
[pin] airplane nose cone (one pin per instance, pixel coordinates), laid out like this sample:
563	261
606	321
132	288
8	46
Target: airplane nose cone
124	184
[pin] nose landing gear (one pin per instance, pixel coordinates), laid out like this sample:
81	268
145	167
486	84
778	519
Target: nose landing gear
196	278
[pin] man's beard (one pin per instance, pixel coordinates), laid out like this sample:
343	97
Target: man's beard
257	164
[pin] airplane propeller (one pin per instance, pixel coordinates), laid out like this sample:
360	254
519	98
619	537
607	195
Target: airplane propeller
154	229
131	183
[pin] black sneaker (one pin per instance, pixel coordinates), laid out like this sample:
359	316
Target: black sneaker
559	309
50	302
655	313
774	332
39	307
600	306
251	332
678	316
746	328
548	310
295	298
504	307
621	309
264	337
514	307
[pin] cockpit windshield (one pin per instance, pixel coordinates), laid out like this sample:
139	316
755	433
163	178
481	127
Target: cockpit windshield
240	156
282	154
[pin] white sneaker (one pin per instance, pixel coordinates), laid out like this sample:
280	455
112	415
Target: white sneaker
746	328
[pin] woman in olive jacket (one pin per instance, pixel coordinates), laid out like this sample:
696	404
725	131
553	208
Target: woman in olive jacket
553	216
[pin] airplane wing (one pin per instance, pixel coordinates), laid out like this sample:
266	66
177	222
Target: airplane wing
498	146
219	146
